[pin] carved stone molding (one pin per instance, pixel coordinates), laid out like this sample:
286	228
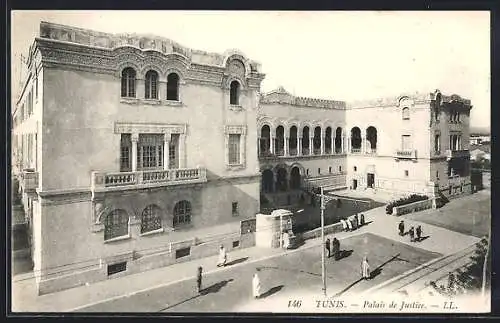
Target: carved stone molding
126	127
235	130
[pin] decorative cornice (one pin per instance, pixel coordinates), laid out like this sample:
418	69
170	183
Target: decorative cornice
281	96
235	129
130	127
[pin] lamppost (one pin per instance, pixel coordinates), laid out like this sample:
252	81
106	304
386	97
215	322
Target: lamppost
323	265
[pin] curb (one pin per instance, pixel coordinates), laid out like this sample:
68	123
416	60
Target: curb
216	270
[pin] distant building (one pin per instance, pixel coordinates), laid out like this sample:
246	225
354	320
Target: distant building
478	140
479	152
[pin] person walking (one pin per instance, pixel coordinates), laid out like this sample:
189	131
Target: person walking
365	268
401	228
198	278
327	246
222	257
349	224
256	285
419	232
362	219
344	224
357	220
412	234
336	248
354	222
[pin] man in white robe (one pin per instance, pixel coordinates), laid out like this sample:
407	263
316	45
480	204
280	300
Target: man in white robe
222	257
365	269
256	285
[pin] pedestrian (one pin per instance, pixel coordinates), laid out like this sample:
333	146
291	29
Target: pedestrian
286	240
327	246
344	224
365	268
357	220
401	227
256	285
354	221
198	278
412	234
222	257
362	218
336	248
419	232
349	224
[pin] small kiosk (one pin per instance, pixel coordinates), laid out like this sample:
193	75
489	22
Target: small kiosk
275	230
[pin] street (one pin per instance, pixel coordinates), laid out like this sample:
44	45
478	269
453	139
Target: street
227	290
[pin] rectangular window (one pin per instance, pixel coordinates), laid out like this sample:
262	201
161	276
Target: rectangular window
437	145
234	149
437	174
125	152
406	142
235	211
406	173
179	253
150	151
116	268
330	169
173	156
319	171
236	244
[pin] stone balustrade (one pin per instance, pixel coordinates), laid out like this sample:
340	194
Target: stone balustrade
405	154
107	180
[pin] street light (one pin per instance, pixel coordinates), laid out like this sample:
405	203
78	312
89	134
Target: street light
323	267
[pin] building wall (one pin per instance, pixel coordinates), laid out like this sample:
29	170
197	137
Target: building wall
81	109
71	227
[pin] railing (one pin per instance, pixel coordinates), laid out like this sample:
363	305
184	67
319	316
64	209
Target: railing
328	150
30	180
305	151
355	150
167	177
317	151
280	152
457	153
406	154
338	150
371	151
293	151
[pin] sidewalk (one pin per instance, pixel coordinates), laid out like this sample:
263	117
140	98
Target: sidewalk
24	297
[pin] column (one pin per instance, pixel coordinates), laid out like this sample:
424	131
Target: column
166	151
258	146
287	142
299	146
182	151
311	146
349	144
460	142
135	139
363	145
322	143
332	144
342	144
271	145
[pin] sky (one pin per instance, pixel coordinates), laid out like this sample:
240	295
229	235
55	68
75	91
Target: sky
339	55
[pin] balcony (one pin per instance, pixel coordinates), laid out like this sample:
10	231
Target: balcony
355	150
405	154
29	180
371	151
317	151
457	154
104	181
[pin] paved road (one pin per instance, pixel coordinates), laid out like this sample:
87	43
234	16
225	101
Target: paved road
227	290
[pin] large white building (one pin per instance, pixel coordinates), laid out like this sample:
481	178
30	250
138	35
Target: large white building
127	147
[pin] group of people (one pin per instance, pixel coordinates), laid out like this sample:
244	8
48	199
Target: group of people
353	222
415	234
333	248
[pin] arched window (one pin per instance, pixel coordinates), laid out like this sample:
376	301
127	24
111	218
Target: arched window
406	113
151	219
173	87
128	83
234	95
151	86
182	213
116	224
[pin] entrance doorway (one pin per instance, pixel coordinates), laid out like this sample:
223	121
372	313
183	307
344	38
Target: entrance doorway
370	180
354	184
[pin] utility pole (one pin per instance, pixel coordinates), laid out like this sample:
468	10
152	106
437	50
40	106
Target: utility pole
323	267
483	288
